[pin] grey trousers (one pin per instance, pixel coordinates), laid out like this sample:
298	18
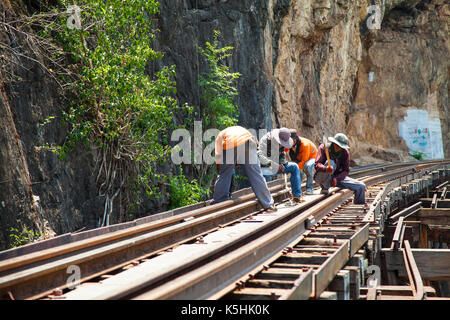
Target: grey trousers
252	170
358	187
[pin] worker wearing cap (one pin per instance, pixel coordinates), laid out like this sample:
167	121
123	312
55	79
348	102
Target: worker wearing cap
336	175
271	152
237	146
304	153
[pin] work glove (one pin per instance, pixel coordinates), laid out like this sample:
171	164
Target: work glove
333	182
329	170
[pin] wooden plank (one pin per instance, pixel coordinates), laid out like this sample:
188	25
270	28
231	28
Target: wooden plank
400	290
435	203
430	213
372	294
386	297
310	222
444	193
358	261
441	185
302	289
411	279
423	236
438	220
269	283
313	250
294	266
258	293
302	258
439	216
327	271
355	282
358	239
341	285
279	274
402	235
433	264
328	295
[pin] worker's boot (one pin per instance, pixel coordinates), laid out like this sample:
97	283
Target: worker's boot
298	199
271	209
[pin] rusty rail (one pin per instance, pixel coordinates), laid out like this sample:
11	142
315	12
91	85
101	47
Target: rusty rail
136	242
197	283
415	279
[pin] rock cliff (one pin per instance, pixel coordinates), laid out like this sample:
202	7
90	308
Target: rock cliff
404	68
37	190
323	66
368	68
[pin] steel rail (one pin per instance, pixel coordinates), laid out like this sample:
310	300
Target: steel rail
230	265
55	269
121	234
127	237
125	233
383	167
60	250
108	254
176	288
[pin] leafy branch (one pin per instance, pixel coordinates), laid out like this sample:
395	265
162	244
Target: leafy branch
217	109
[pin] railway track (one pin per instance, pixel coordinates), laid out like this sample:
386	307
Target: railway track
201	252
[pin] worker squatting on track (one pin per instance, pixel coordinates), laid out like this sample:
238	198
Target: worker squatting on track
263	161
304	153
334	172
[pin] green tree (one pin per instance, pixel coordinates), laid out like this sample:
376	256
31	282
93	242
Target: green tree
120	110
183	192
217	109
20	238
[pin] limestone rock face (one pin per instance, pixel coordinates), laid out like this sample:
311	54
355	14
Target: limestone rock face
408	59
333	74
319	55
37	190
376	70
322	66
247	25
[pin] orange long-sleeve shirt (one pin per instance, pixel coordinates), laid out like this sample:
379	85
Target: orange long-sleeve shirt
306	151
231	137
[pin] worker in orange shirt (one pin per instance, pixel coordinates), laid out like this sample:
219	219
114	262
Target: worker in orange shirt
237	146
304	153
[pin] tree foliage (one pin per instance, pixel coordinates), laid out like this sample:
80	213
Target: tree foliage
218	109
120	110
184	192
20	238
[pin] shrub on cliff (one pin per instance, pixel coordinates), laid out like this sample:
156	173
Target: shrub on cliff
217	109
120	110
